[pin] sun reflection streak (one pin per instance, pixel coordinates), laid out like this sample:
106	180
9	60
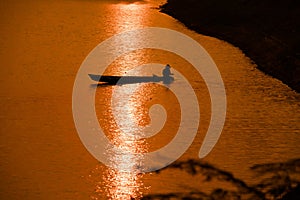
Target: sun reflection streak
124	181
123	185
128	16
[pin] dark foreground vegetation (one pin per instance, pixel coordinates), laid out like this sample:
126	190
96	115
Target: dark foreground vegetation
274	181
268	31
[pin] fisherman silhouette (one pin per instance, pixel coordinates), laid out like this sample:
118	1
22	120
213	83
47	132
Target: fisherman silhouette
167	78
166	71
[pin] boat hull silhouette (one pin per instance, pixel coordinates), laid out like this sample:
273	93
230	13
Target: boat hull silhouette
113	80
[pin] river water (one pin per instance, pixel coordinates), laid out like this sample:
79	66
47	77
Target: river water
43	44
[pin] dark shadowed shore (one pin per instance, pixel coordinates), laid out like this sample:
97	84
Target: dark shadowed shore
266	30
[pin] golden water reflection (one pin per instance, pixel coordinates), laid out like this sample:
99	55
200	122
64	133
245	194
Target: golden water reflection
127	16
123	122
124	182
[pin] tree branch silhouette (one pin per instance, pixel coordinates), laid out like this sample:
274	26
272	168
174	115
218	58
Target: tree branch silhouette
278	181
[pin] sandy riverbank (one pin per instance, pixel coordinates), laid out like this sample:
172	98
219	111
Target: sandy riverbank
267	31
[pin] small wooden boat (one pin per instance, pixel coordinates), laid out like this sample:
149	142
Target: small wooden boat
113	80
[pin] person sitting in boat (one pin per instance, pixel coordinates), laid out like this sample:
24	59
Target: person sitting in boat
166	71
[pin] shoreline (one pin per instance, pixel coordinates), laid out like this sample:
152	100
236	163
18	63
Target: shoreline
272	41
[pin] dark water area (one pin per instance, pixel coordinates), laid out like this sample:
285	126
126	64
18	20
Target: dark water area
267	31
